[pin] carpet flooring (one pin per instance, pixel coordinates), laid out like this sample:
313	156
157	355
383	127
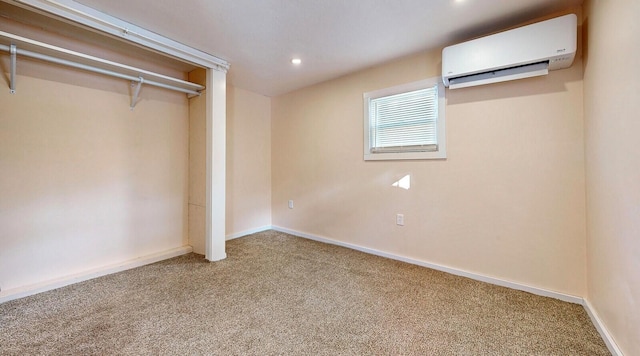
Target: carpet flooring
277	294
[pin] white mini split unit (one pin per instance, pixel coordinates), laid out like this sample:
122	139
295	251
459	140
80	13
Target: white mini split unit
523	52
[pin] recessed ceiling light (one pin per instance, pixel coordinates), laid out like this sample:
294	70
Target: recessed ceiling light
296	61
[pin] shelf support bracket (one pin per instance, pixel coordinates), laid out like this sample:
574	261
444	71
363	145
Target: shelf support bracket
134	99
12	85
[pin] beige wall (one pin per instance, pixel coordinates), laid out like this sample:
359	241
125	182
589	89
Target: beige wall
612	125
248	161
85	182
248	193
507	203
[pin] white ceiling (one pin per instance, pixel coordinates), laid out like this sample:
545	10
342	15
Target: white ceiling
332	37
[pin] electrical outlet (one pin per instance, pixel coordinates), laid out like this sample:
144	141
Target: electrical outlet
400	219
290	204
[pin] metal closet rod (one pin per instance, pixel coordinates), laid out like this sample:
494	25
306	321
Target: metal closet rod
89	68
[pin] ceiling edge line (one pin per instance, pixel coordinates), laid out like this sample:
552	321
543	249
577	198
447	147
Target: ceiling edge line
102	22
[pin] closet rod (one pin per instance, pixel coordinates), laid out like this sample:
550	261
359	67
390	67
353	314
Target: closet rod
68	63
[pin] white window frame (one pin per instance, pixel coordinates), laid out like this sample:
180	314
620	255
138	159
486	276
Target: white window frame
440	153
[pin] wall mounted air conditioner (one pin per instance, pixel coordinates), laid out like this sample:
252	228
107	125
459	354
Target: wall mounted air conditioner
523	52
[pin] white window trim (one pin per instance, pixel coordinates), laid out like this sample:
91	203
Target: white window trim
441	153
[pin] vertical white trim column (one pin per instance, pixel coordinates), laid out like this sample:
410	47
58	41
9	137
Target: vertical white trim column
216	98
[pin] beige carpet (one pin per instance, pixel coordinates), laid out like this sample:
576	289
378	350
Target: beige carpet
278	294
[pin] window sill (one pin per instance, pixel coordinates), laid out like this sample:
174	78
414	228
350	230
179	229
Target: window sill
390	156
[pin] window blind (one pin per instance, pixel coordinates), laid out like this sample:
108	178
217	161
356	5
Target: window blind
404	122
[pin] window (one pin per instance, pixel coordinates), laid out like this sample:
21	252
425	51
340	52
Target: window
405	122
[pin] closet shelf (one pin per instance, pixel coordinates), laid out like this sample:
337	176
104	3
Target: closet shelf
21	46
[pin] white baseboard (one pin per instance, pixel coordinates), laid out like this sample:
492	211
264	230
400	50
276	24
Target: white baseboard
32	289
247	232
602	329
455	271
21	292
597	322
